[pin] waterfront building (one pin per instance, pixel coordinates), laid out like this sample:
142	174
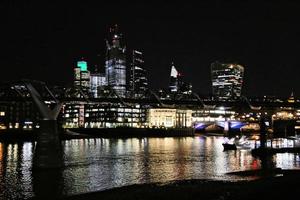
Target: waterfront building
213	115
19	115
95	115
138	79
3	112
169	118
227	80
82	76
115	64
98	83
183	118
162	117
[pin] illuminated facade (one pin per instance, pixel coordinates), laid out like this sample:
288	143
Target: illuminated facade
169	118
92	115
227	80
82	76
98	82
291	99
138	80
19	115
162	117
213	115
177	84
2	117
173	87
115	64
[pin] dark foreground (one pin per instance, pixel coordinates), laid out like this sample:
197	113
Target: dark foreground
284	185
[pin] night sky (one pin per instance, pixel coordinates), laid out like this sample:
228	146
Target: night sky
43	41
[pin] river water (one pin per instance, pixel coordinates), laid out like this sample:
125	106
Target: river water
99	164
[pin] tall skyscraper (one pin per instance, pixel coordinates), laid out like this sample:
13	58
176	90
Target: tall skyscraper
177	84
138	80
115	64
82	76
173	86
227	80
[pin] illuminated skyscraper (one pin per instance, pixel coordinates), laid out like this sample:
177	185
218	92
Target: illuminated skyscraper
115	64
138	80
227	80
177	84
173	79
82	76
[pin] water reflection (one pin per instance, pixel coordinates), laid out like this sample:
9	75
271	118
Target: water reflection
98	164
15	170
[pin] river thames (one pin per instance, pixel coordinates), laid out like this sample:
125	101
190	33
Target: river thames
99	164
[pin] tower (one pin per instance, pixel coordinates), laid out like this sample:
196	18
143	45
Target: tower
82	76
177	84
138	80
173	86
115	64
227	80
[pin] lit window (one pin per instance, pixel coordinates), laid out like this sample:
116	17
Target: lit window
2	113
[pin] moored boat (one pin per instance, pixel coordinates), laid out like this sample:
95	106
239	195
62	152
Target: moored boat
228	146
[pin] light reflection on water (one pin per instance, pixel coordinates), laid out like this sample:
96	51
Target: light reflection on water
98	164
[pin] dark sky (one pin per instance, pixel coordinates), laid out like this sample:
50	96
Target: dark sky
43	40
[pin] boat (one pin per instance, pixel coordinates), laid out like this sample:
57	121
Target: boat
243	143
237	142
228	146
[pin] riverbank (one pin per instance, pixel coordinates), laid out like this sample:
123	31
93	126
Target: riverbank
283	186
127	132
82	133
18	135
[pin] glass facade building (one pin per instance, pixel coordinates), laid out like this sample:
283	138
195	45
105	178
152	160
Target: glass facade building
173	86
177	84
82	76
97	115
138	80
227	80
115	64
98	82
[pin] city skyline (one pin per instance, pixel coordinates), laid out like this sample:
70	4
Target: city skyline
149	100
261	37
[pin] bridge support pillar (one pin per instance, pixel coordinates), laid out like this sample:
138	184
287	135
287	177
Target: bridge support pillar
263	133
227	129
48	149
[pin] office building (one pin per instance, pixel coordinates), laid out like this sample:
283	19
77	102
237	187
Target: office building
173	86
100	115
227	80
138	80
82	76
98	82
177	84
115	64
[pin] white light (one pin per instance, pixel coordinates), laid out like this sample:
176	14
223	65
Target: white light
221	108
